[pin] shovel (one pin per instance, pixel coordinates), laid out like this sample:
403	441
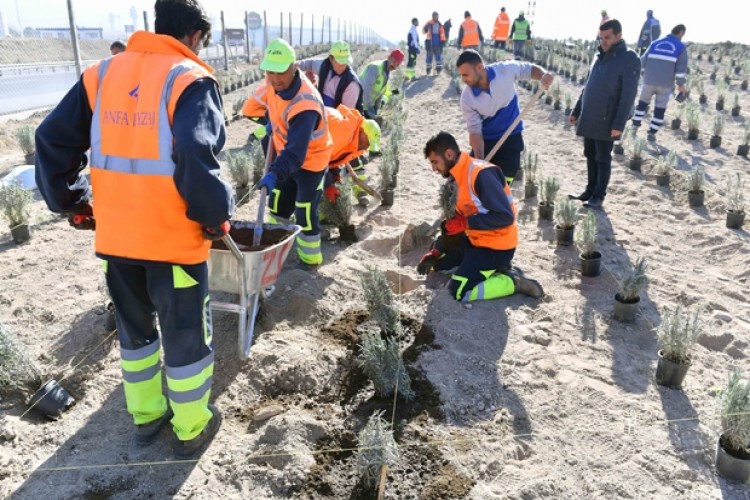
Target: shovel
513	125
258	230
367	189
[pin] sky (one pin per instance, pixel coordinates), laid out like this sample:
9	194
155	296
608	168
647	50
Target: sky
711	22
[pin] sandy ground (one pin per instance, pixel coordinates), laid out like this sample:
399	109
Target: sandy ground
516	398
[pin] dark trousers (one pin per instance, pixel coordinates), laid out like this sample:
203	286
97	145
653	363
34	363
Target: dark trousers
413	53
472	262
599	164
299	195
141	292
508	157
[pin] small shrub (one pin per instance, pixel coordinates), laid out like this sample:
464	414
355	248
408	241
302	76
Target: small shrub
586	235
677	333
237	105
25	136
696	179
665	163
15	202
529	162
735	193
746	134
693	116
721	91
387	168
735	412
258	161
382	362
340	213
568	101
239	168
448	195
549	189
566	213
679	113
376	448
17	370
719	122
636	148
634	282
379	298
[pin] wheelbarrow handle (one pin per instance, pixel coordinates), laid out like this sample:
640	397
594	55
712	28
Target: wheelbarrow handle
258	230
232	246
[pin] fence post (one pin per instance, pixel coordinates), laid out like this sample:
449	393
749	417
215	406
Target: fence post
291	42
265	33
301	25
145	20
312	29
224	40
329	29
247	38
281	25
73	37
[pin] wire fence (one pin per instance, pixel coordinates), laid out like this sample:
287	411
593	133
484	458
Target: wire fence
39	61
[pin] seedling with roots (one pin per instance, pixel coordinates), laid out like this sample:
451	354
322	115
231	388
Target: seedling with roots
237	105
25	136
15	202
566	213
376	449
634	281
735	193
382	362
379	298
386	168
678	332
529	162
548	190
239	164
340	213
696	178
259	161
586	235
448	196
17	369
665	163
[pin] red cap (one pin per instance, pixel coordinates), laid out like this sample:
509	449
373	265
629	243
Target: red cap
397	55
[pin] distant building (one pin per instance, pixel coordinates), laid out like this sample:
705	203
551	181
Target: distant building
83	33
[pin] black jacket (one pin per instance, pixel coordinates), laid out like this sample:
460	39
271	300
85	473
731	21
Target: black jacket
606	101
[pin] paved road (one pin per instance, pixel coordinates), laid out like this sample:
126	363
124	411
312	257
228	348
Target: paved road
21	92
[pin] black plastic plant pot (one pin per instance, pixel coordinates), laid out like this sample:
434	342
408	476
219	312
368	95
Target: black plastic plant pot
676	124
51	400
530	190
695	198
669	373
564	235
30	159
519	176
730	466
635	164
735	219
626	311
20	233
736	110
692	134
347	233
743	149
663	180
591	265
618	149
546	210
715	141
386	197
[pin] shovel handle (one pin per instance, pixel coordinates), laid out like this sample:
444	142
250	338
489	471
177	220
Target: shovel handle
258	229
515	123
361	184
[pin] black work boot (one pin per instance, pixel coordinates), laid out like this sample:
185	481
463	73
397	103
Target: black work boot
527	286
146	434
187	450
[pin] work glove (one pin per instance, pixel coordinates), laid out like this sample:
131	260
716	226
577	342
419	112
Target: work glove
332	192
83	219
216	232
269	181
456	225
427	262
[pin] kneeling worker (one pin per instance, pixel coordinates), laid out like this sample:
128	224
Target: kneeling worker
486	214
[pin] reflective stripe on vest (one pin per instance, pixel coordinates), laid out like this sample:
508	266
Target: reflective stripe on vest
316	134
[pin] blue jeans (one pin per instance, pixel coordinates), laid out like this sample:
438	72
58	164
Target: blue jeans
599	165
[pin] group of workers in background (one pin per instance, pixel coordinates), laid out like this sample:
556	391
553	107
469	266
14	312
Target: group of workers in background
153	158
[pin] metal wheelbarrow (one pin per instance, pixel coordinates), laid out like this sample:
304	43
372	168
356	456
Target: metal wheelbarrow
233	268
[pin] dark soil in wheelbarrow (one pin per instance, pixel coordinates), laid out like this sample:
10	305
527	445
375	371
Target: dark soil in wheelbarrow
244	239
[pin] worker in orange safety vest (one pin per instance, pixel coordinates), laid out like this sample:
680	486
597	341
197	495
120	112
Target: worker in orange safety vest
502	28
470	34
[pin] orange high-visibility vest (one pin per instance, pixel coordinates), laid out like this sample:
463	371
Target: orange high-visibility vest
344	124
502	27
471	32
255	106
427	30
468	203
139	212
281	112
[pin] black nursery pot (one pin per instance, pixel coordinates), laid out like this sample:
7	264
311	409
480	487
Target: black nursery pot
743	149
730	466
51	400
735	219
591	266
669	373
386	197
676	124
626	311
546	210
635	164
663	180
695	198
347	233
20	233
564	235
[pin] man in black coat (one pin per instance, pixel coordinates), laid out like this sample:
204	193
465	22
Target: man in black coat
603	108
